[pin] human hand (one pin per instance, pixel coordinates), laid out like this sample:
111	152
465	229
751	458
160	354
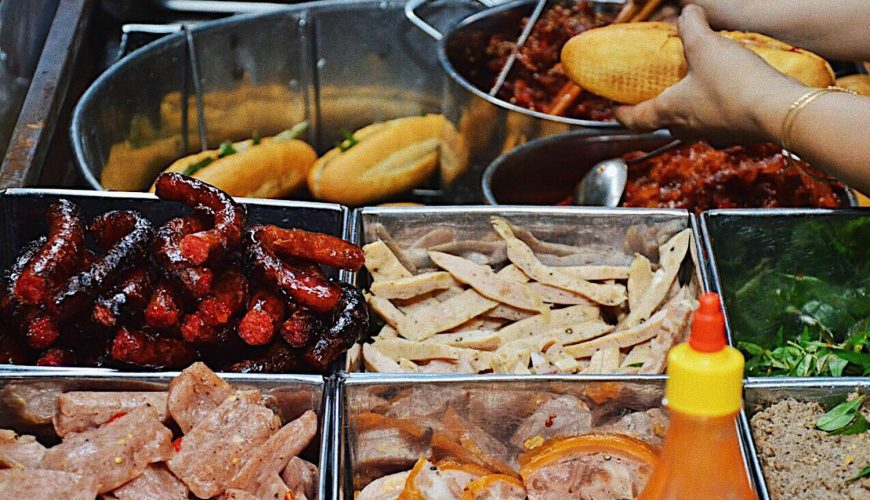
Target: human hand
725	96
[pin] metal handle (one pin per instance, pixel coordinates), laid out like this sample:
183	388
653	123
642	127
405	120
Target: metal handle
411	14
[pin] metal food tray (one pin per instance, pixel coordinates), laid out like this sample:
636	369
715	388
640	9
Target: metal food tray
606	229
764	231
22	219
761	393
292	394
354	396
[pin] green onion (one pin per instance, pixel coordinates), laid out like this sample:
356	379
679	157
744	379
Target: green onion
293	132
194	168
255	138
347	142
226	148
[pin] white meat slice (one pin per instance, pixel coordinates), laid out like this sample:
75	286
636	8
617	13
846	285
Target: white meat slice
561	416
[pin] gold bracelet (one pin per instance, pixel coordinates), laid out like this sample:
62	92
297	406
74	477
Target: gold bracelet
788	122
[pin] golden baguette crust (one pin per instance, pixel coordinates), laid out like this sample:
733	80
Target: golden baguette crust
271	169
630	63
857	83
390	158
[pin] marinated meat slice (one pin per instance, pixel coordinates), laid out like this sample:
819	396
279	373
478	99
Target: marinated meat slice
80	411
51	484
271	457
426	402
561	416
156	483
301	477
433	483
19	451
116	452
385	445
32	403
195	393
215	449
592	476
385	488
650	426
238	495
482	448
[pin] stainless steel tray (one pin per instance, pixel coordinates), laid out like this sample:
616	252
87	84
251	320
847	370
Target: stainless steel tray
293	394
22	216
760	393
356	391
758	234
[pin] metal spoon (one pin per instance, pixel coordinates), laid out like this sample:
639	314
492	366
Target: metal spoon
605	182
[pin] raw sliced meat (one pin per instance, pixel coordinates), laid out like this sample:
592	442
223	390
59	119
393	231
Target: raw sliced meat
51	484
301	477
156	483
19	451
80	411
116	452
215	449
194	393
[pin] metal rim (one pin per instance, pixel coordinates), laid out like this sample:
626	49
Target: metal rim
453	74
591	135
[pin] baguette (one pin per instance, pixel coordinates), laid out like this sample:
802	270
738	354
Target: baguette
274	168
630	63
383	160
856	83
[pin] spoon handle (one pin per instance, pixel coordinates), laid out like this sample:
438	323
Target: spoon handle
655	152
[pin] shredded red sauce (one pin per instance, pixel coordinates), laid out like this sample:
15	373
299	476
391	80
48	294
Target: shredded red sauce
116	417
550	420
698	177
177	444
537	75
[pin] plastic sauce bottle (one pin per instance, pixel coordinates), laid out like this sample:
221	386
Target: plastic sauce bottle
701	456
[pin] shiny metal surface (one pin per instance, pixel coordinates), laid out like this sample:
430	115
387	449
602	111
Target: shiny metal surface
546	170
358	393
761	393
319	61
753	235
604	184
23	218
292	395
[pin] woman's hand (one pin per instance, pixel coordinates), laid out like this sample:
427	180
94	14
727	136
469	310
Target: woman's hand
724	96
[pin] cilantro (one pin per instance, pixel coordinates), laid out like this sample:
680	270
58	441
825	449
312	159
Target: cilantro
807	357
845	418
865	472
226	148
635	365
195	167
347	142
255	139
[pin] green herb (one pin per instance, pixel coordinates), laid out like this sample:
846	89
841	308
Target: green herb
348	142
862	473
807	356
194	168
635	365
255	139
226	148
845	418
293	132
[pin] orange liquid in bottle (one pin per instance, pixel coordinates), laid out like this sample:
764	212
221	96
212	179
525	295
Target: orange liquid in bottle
700	459
701	456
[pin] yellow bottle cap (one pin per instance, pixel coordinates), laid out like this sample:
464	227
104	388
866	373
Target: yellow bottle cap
705	376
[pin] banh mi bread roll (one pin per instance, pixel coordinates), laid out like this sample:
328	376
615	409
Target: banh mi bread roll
272	167
855	83
630	63
380	160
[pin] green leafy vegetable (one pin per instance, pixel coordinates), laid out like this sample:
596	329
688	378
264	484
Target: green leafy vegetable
195	167
808	357
347	142
255	139
226	148
862	473
845	418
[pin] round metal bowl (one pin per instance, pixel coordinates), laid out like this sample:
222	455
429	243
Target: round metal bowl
546	171
340	65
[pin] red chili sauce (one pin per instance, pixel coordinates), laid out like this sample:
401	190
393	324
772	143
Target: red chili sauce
698	177
537	77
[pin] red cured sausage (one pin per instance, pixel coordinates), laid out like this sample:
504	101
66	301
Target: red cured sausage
139	348
163	309
56	357
228	296
309	290
265	312
130	293
42	331
299	328
58	258
315	247
196	280
229	218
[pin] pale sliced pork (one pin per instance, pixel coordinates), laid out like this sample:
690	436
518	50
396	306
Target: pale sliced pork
80	411
301	477
216	448
46	484
385	488
156	483
193	394
19	451
116	452
561	416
